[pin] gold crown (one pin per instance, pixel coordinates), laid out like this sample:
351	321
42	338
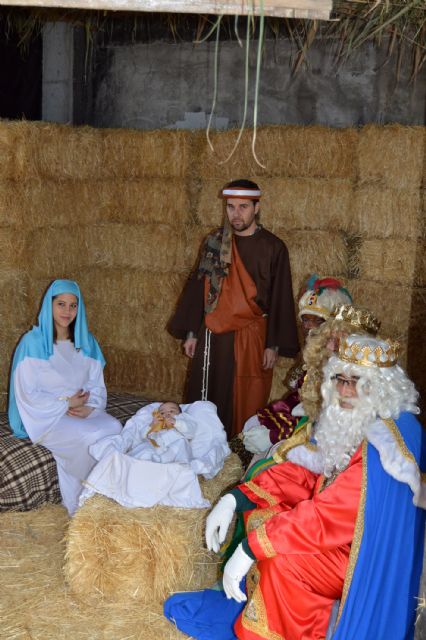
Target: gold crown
369	352
358	317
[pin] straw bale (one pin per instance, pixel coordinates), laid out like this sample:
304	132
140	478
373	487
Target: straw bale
36	603
59	152
142	330
152	247
8	343
286	151
12	247
390	302
422	221
384	212
9	142
57	203
142	554
391	155
153	376
38	287
113	286
416	344
14	286
13	322
294	203
320	252
420	265
388	260
146	154
10	212
281	369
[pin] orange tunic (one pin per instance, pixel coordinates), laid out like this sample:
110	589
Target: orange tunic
238	311
301	536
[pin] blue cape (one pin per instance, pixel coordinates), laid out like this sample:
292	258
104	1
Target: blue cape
38	343
382	596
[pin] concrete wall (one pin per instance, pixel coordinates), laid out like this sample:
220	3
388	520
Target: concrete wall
171	85
166	84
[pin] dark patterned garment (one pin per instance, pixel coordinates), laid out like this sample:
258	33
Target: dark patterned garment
28	476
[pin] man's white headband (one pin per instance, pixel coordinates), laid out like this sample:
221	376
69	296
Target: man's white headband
241	193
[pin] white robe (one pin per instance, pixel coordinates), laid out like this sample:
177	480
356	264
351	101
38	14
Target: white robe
40	388
144	483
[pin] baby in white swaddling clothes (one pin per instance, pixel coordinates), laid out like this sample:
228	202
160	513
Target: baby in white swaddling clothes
169	435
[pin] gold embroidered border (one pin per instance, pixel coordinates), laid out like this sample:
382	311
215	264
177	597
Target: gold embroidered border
358	533
261	493
264	542
391	425
257	517
300	437
254	616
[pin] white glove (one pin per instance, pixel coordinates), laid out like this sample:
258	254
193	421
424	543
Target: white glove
218	521
257	440
235	569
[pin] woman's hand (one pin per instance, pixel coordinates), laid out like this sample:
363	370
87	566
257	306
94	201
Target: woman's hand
78	399
80	412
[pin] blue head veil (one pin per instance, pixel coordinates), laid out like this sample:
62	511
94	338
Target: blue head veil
38	342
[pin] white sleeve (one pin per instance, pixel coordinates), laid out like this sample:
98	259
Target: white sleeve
186	425
39	409
251	423
96	386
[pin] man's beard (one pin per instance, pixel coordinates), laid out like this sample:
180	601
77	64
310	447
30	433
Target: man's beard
339	432
241	225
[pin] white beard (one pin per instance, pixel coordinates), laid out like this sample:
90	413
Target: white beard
339	432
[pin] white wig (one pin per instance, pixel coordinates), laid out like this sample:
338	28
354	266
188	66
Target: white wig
388	389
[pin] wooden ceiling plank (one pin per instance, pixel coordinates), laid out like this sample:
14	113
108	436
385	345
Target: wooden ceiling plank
310	9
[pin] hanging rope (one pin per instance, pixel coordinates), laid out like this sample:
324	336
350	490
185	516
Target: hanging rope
206	365
216	57
216	26
246	81
256	91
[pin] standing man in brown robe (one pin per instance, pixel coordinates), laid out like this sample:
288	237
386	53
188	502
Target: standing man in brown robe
236	312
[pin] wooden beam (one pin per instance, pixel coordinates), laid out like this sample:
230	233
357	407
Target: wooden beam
309	9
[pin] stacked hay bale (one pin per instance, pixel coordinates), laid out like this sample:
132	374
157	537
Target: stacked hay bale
416	352
142	555
123	212
13	281
386	217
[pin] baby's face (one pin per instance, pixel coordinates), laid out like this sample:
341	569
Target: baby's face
169	410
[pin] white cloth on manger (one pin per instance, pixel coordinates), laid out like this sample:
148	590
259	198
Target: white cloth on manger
136	482
40	388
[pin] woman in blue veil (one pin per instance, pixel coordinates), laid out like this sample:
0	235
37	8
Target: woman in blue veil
57	394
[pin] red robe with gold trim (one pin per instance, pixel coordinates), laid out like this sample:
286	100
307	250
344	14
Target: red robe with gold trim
301	536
